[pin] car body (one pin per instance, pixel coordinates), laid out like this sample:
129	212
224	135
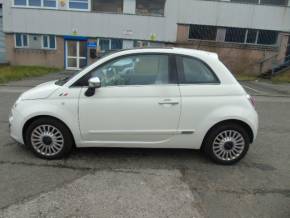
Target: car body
149	98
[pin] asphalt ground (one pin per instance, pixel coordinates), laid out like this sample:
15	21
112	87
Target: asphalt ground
111	182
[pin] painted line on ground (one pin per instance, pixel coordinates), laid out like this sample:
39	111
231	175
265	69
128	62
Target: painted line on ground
258	91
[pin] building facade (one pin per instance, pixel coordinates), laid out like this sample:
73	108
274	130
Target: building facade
73	33
2	37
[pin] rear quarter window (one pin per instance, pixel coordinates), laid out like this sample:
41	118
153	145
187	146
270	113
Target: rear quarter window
195	71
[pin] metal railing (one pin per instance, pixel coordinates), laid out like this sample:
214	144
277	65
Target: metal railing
280	65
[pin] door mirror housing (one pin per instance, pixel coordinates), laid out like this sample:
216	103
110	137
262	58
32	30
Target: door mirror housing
94	83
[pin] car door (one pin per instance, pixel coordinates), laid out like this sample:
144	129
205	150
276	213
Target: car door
138	102
201	94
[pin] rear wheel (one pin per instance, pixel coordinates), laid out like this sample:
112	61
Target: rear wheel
226	144
49	138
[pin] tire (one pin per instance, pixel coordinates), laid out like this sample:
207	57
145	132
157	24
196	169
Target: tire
226	144
49	138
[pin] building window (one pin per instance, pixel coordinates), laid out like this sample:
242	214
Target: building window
49	3
110	44
267	37
36	3
274	2
246	1
116	44
20	2
21	40
48	42
202	32
251	36
113	6
79	4
263	2
235	35
150	7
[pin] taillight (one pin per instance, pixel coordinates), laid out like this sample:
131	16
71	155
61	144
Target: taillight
252	100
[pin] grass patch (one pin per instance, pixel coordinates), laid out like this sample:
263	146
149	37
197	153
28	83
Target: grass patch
10	73
245	77
282	78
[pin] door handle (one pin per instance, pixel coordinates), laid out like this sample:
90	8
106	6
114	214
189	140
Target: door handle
168	101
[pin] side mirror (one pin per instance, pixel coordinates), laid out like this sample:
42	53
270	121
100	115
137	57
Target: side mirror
94	83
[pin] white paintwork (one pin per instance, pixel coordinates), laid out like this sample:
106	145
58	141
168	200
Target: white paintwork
132	116
91	24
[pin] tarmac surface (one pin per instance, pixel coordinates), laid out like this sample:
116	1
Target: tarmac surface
111	182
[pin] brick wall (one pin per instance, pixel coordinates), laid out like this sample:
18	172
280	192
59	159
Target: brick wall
239	58
39	57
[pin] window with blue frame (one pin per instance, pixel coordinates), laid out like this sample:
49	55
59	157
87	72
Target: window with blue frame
48	42
110	44
116	44
104	45
49	3
20	2
21	40
36	3
79	4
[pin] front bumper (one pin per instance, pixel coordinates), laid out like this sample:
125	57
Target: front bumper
15	127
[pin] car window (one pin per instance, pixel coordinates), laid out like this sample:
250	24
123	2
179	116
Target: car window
134	70
194	71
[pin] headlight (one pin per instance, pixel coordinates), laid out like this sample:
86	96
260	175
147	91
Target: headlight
17	102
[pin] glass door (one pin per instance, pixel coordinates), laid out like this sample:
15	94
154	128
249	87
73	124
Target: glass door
76	54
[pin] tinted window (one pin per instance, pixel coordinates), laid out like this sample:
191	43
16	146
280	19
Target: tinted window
18	40
20	2
202	32
34	2
267	37
134	70
79	4
252	36
235	35
49	3
150	7
115	6
195	71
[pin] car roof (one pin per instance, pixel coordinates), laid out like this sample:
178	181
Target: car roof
170	50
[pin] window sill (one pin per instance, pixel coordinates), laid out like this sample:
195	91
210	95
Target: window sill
34	50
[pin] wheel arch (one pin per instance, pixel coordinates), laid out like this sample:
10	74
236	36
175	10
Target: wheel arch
32	119
246	126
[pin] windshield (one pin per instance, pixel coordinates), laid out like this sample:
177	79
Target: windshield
63	80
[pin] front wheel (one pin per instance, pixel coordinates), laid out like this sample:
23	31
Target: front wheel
49	138
226	144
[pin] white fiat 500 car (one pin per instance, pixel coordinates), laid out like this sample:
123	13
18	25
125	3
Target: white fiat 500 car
149	98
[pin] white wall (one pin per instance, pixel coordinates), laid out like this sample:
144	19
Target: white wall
62	22
234	15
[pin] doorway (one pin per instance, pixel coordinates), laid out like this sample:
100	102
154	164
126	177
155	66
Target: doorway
75	54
